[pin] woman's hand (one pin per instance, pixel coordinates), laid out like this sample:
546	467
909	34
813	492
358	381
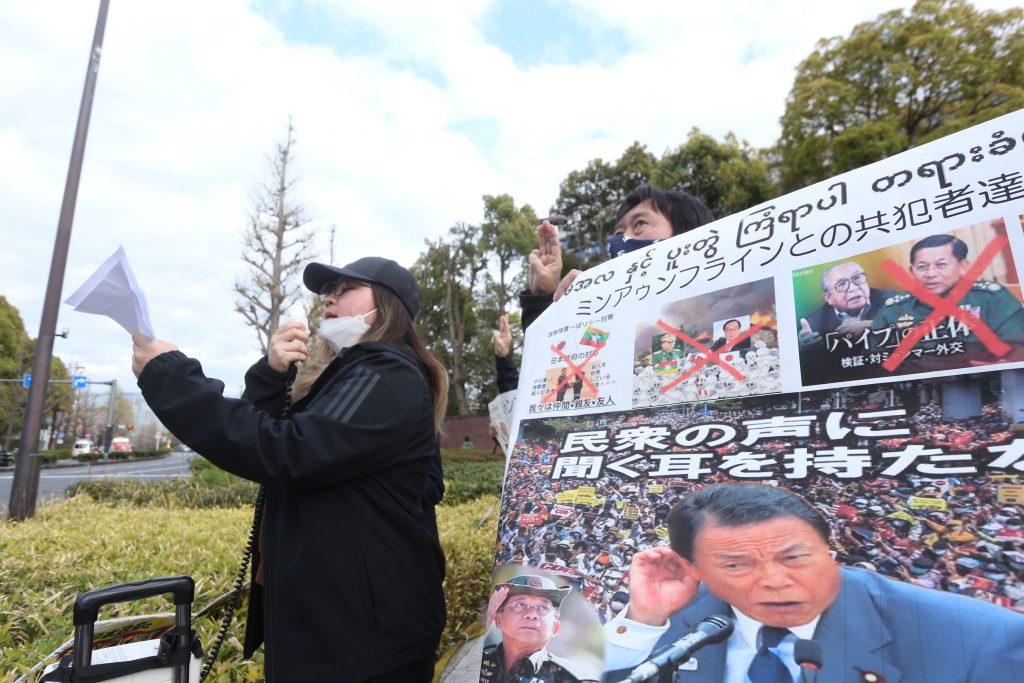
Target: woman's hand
145	349
288	345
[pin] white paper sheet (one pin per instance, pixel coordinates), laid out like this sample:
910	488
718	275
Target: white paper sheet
114	292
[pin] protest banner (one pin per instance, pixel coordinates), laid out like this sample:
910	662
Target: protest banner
859	342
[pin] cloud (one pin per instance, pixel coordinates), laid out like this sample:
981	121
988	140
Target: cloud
405	116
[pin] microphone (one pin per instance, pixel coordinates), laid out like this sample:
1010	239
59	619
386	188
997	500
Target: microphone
807	654
710	630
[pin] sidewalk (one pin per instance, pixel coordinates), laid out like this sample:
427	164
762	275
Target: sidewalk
465	664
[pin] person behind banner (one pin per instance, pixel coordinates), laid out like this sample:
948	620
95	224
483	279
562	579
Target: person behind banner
836	326
938	263
525	610
506	372
348	570
761	554
730	331
647	215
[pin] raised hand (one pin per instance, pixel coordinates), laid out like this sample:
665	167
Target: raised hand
545	260
288	345
660	583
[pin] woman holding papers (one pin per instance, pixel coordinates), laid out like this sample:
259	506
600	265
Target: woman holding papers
347	581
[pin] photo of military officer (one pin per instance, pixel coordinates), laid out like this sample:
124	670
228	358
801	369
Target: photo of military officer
666	359
526	611
938	263
955	297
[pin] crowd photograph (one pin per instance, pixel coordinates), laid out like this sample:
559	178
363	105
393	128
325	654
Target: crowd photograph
960	533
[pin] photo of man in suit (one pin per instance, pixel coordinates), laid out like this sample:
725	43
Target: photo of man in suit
850	304
761	555
731	329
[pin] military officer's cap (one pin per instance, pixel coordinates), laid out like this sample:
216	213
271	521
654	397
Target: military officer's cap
532	584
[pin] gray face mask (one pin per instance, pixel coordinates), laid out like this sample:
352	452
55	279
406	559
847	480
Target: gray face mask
341	333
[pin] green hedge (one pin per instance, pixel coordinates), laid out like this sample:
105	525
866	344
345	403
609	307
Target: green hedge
79	544
112	531
471	480
169	493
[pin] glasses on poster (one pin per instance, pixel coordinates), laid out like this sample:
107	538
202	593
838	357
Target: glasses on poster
519	607
844	284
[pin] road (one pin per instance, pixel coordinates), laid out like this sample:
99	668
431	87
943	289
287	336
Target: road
53	480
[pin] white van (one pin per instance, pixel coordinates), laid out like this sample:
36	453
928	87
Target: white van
82	447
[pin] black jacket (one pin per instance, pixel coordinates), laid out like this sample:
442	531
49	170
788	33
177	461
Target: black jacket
507	373
352	577
533	305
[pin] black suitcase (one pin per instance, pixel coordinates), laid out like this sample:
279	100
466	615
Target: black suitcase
173	658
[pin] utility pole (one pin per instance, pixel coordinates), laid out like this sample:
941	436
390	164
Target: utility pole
25	487
108	434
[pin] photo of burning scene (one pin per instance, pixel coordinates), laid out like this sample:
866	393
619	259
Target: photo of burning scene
717	345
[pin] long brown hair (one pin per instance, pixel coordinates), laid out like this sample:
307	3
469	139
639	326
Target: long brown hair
392	323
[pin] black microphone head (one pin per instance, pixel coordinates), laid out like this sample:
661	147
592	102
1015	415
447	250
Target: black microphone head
717	628
807	652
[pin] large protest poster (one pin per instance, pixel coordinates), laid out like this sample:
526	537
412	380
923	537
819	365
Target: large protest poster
859	342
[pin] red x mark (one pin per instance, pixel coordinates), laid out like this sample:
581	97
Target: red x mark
709	355
947	305
575	371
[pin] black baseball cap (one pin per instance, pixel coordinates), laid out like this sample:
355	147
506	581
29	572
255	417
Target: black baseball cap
382	271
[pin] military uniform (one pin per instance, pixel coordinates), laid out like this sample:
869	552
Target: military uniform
540	667
667	363
952	343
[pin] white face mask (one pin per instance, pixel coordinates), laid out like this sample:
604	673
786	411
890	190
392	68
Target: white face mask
341	333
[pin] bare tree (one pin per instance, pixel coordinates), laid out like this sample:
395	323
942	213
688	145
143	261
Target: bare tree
276	246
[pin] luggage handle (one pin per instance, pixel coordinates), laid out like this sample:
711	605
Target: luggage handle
87	606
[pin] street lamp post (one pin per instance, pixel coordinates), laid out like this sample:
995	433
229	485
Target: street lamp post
25	487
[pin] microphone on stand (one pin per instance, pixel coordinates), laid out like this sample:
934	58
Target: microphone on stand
710	630
807	654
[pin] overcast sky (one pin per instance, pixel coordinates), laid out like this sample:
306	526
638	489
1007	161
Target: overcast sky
406	113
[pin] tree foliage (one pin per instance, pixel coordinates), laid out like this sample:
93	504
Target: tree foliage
14	359
589	198
729	176
450	275
508	234
467	278
17	353
903	79
276	247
